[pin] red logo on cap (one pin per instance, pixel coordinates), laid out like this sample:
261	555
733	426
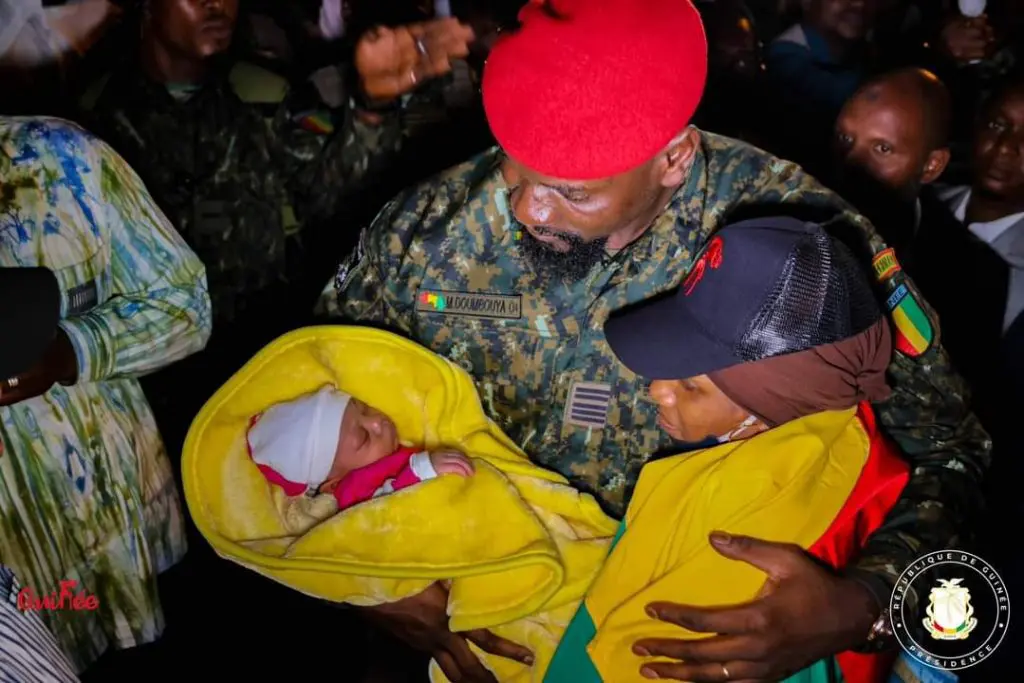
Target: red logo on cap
712	257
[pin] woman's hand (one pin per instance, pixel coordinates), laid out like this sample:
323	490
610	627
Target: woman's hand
804	613
393	61
422	622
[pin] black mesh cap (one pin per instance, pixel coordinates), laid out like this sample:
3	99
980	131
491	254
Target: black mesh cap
761	288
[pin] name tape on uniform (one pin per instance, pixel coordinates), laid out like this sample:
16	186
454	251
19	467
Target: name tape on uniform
470	304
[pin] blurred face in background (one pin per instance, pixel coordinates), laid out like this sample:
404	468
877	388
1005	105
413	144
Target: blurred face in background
735	48
999	148
881	132
849	20
194	29
890	140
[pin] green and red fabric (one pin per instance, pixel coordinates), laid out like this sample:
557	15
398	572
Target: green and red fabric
825	482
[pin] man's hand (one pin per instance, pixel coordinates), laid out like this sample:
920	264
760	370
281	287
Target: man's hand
451	462
967	39
422	622
393	61
804	613
58	364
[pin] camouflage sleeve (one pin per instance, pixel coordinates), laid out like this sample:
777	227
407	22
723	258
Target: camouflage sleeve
364	288
928	416
330	152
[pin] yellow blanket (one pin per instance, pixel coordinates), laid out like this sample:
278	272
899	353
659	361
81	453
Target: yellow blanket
518	543
787	484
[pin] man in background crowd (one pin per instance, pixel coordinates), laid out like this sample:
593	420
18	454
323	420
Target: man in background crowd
736	79
992	206
893	142
991	212
814	67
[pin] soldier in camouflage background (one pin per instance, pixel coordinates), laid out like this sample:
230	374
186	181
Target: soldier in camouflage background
252	173
601	197
241	162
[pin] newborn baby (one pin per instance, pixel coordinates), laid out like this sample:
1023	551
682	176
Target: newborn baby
331	442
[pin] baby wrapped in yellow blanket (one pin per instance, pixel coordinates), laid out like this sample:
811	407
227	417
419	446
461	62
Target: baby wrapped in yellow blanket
518	544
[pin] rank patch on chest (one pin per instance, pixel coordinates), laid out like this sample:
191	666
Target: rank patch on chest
470	304
588	405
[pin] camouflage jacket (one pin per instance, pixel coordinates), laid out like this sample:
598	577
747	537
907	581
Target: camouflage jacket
239	166
440	265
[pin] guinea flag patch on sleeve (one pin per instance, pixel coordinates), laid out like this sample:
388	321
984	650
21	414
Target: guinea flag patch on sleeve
318	122
913	328
914	331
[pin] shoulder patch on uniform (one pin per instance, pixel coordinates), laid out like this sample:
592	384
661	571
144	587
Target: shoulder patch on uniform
914	331
588	405
318	122
885	264
341	278
470	304
256	85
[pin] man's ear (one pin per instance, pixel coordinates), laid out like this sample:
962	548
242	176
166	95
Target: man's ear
935	165
674	163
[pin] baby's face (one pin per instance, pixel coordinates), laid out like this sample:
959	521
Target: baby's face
367	435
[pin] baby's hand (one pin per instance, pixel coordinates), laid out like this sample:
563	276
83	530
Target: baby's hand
451	462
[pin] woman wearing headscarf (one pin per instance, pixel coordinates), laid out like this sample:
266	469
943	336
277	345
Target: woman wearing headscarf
770	351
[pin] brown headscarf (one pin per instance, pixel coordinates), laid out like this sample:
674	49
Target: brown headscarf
830	377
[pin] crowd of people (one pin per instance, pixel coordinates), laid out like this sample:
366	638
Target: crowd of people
179	179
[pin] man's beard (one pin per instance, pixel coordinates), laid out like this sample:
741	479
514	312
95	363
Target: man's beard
569	266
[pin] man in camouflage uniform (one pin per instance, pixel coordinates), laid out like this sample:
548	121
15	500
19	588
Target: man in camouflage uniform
240	161
511	271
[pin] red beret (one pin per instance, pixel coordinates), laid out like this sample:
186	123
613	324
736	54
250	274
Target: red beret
598	89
